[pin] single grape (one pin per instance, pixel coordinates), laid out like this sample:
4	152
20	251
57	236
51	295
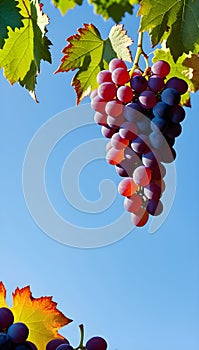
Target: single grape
30	345
140	144
115	122
133	204
115	156
140	218
5	341
142	175
133	112
96	343
157	139
98	104
114	108
176	114
125	168
64	347
173	130
104	76
125	94
161	68
179	84
147	99
118	142
154	207
170	141
170	96
18	332
120	76
161	110
116	63
138	83
156	83
152	191
100	118
108	132
127	187
128	131
107	91
159	123
54	343
6	318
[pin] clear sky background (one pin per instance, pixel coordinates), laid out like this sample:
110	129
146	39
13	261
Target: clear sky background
140	293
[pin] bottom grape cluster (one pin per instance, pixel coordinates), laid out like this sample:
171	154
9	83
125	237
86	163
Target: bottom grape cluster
14	335
141	115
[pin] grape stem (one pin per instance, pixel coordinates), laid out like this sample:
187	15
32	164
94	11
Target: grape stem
139	52
81	343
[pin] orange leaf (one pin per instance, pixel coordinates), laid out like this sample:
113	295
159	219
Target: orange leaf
39	314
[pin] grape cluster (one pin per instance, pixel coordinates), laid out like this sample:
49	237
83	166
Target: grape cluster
141	115
14	335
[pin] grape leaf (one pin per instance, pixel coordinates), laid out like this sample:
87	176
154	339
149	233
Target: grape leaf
113	9
25	47
89	53
40	315
192	63
9	17
65	5
177	70
121	42
177	21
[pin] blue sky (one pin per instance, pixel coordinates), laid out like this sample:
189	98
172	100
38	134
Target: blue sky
141	292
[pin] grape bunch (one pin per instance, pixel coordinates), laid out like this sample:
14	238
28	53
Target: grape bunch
141	115
14	335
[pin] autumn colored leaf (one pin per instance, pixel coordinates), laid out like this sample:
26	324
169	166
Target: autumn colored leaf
39	314
26	46
89	53
177	70
177	21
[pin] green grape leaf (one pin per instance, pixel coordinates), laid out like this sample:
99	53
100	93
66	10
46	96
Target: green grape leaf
121	42
89	53
25	47
66	5
176	21
178	69
113	9
192	71
9	17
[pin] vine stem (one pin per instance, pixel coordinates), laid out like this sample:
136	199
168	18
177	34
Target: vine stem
139	52
81	343
26	8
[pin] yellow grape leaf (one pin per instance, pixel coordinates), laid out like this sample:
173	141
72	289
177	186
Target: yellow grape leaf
39	314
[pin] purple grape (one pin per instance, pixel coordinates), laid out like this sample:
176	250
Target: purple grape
140	144
30	345
147	99
159	123
18	332
152	191
22	347
6	318
133	112
161	110
158	172
170	96
176	114
156	139
149	160
179	84
5	341
154	207
96	343
156	83
54	343
173	130
138	83
170	141
161	68
104	76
